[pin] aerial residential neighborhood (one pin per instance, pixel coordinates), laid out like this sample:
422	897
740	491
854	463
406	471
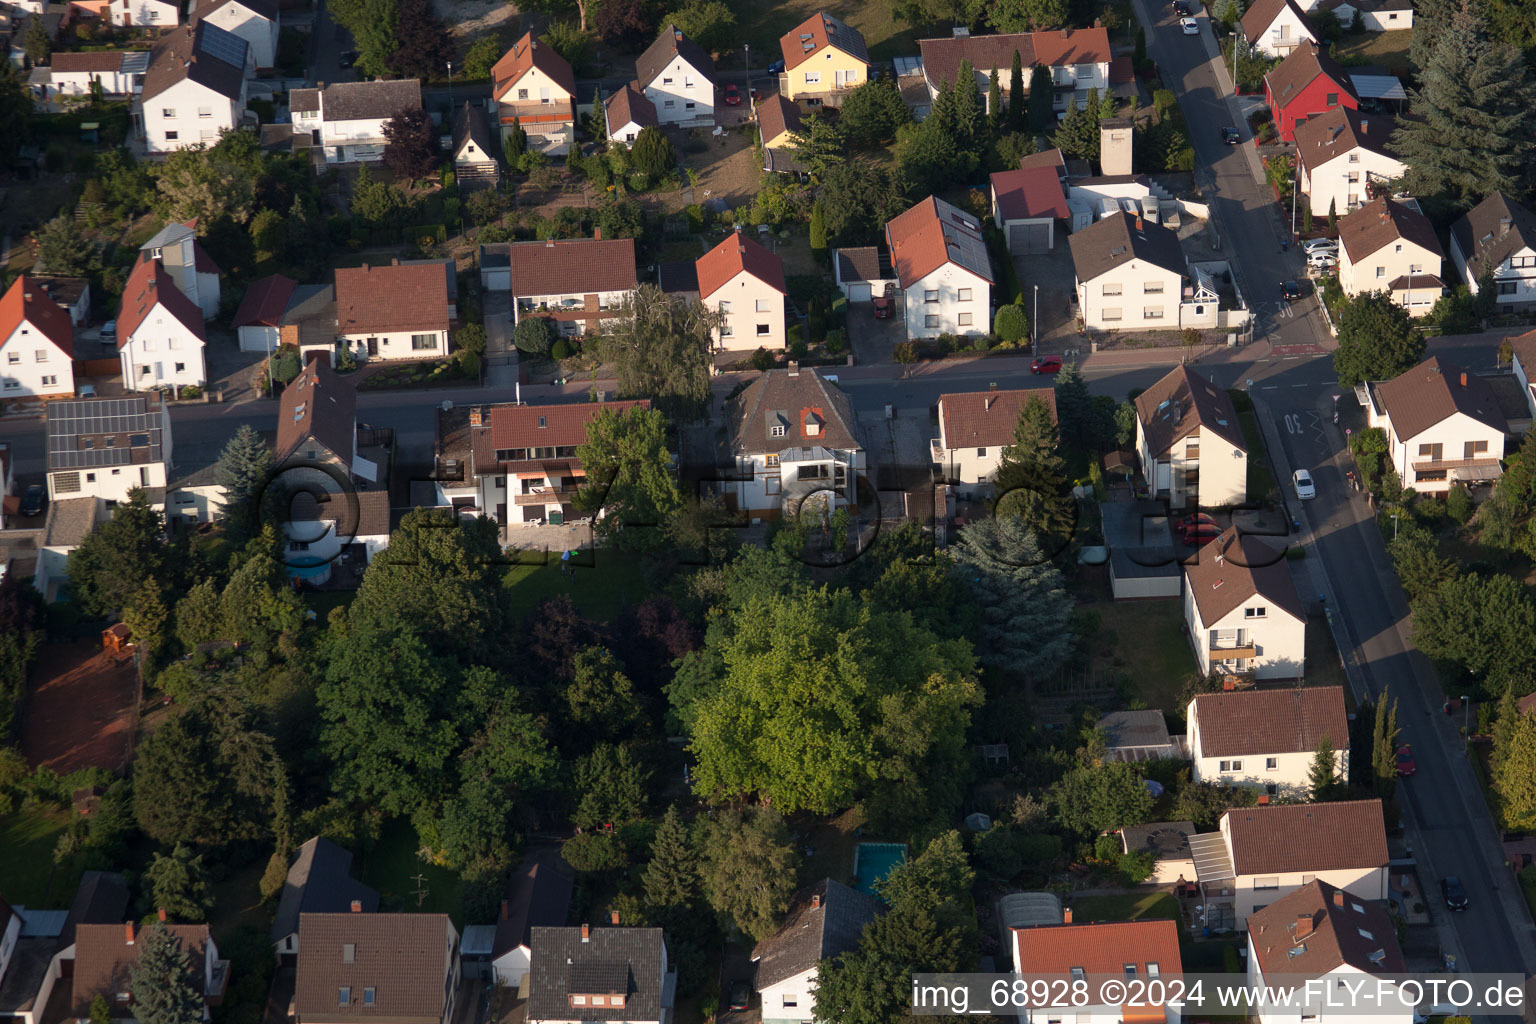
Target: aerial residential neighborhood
707	513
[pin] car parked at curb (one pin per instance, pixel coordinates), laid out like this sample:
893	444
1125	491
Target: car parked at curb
740	995
1190	26
1306	490
1454	892
1231	136
1046	364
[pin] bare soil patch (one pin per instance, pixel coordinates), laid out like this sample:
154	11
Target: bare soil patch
83	711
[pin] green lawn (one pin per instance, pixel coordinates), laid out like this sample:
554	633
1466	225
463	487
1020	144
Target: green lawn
605	582
1149	646
28	874
1130	906
1389	49
1261	481
392	866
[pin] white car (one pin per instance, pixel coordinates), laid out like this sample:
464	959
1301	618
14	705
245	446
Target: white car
1302	481
86	391
1322	260
1313	245
1190	26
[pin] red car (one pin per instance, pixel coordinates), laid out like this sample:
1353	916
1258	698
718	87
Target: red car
1405	763
1046	364
882	309
1201	534
1190	522
732	95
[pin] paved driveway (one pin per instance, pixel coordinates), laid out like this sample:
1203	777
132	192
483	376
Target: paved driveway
1053	274
874	341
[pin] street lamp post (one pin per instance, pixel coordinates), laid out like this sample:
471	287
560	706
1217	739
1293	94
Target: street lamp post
1295	174
746	48
1466	716
1394	526
1234	64
1034	327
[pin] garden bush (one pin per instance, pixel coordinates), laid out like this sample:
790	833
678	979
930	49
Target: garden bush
762	360
561	349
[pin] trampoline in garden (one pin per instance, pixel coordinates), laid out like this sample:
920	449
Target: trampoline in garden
873	861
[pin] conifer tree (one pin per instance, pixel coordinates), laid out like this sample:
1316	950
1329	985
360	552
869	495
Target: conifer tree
162	980
1016	94
671	879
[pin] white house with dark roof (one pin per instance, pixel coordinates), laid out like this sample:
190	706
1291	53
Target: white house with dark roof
68	522
1259	854
37	343
1242	610
1276	27
584	974
1190	442
538	895
258	22
975	429
1496	239
191	268
1266	739
118	72
1130	274
824	920
144	13
1389	246
1443	426
1327	938
319	882
1375	15
346	119
627	113
943	270
476	147
794	438
195	87
863	273
678	77
1344	154
103	448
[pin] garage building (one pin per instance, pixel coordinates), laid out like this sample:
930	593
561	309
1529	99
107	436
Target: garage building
1026	204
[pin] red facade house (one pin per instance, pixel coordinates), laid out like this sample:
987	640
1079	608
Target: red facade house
1307	83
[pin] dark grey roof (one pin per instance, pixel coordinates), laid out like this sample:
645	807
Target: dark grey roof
319	882
100	898
559	960
495	256
1491	231
811	934
862	263
196	463
1119	238
680	277
469	122
778	398
204	53
538	895
357	101
1140	541
658	54
118	431
302	101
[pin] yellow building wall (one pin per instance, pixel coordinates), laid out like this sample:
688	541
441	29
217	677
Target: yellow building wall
825	64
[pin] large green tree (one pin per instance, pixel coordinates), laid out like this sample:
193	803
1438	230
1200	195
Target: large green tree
660	347
117	557
62	249
1377	340
1042	100
1479	623
1027	15
178	884
423	47
871	113
209	183
710	23
243	470
1025	610
164	981
630	486
873	983
747	865
372	24
1514	776
820	144
612	785
671	879
1103	797
937	880
858	197
411	143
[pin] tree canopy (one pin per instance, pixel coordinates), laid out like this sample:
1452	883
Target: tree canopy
660	345
1025	610
411	141
1377	340
630	482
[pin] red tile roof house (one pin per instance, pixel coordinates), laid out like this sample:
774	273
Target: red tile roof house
105	955
160	337
745	282
577	282
1026	204
975	427
535	86
258	322
1266	739
1307	83
37	343
357	968
184	258
1317	932
1121	950
943	268
1260	854
516	462
1078	60
396	312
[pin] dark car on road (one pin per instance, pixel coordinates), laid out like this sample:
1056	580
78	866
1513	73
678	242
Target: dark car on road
1182	8
1290	290
1046	364
1231	136
32	500
740	995
348	59
1454	892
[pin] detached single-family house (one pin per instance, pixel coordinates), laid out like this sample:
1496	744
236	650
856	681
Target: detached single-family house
37	945
942	265
258	322
535	86
1523	364
538	895
586	974
1496	239
975	429
37	343
476	147
191	268
516	463
822	57
1318	940
1130	274
376	969
745	283
160	336
1026	204
678	77
319	882
627	113
576	282
1267	738
1307	83
1276	27
1374	15
258	22
824	920
794	438
1344	155
105	955
120	73
145	13
1259	854
1179	419
778	122
1123	950
345	120
195	87
1078	60
1388	246
1242	611
1443	426
73	293
396	312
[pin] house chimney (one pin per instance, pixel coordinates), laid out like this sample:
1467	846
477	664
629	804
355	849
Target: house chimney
1303	926
986	403
815	901
365	268
476	419
794	368
1463	378
615	918
677	34
1365	126
1066	916
1338	898
586	933
597	234
27	296
1138	223
506	909
549	244
395	262
160	913
357	906
128	928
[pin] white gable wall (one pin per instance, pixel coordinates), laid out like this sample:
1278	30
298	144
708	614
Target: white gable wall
162	350
682	94
1453	435
754	315
145	13
188	114
1283	34
1342	180
31	364
790	1001
950	300
259	33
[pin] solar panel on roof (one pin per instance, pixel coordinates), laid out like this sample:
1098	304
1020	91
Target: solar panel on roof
226	46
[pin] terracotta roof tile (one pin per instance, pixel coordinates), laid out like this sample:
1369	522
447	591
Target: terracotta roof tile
1299	68
148	286
672	42
1248	567
931	234
549	426
1382	222
392	298
189	53
815	34
527	53
1171	409
987	419
1290	838
1100	948
1288	721
104	60
317	404
942	57
399	959
265	302
736	253
777	115
571	265
1026	194
1433	391
26	301
1335	929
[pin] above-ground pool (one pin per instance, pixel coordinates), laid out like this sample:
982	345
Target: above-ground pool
873	861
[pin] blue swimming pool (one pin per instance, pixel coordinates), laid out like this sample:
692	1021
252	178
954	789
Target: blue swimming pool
873	861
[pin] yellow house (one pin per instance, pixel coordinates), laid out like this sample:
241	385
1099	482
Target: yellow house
822	57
